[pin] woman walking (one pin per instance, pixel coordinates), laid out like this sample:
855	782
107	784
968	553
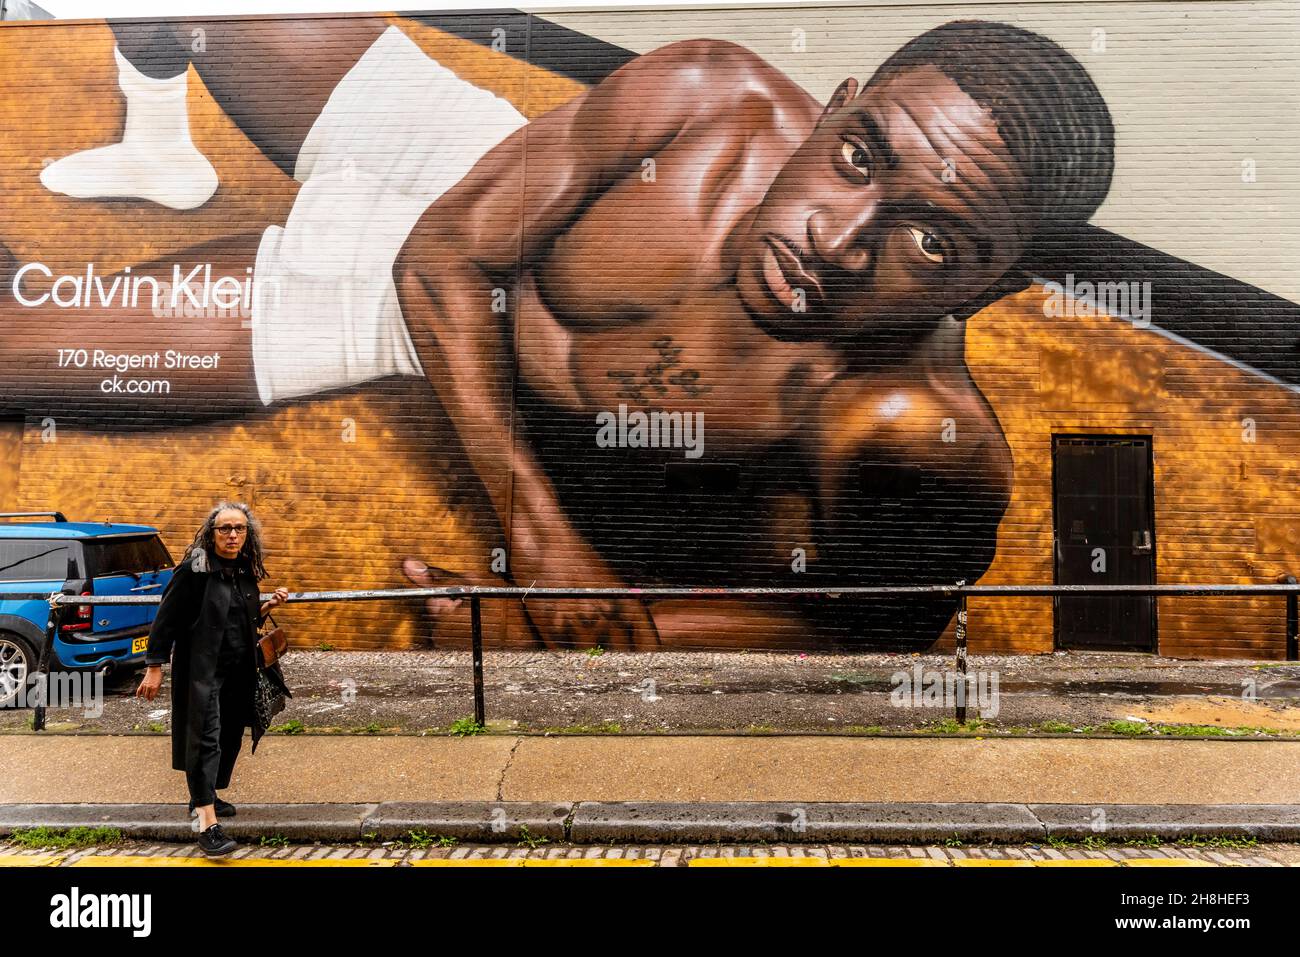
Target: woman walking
207	624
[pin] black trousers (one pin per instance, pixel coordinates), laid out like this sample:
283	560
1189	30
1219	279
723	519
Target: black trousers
224	720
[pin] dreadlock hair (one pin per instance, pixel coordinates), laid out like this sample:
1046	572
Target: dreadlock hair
251	552
1048	111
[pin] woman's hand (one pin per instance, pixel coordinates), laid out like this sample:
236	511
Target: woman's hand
150	684
276	600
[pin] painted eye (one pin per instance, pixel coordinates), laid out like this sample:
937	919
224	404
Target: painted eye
857	156
931	246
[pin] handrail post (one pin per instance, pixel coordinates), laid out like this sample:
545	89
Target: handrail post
1292	624
43	668
961	656
476	627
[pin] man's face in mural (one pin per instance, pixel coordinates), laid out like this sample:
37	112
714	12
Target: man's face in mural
902	204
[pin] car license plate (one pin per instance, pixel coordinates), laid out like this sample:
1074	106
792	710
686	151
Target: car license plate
139	644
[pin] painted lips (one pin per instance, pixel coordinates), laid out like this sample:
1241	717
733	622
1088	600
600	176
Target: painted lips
784	273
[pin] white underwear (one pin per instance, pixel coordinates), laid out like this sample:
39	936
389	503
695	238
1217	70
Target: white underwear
398	131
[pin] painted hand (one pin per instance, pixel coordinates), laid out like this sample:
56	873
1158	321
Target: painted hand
424	575
619	624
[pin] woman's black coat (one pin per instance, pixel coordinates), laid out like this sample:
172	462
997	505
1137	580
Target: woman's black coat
188	629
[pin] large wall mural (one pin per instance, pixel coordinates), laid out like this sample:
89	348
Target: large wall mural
499	299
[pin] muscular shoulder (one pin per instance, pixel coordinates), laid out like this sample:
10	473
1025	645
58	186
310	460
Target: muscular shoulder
917	420
707	76
708	60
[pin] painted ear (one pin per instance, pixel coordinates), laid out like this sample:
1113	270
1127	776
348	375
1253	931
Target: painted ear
1013	281
843	95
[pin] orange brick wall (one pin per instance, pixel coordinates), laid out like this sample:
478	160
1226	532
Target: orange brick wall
341	512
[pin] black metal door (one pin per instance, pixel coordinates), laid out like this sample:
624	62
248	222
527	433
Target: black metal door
1105	535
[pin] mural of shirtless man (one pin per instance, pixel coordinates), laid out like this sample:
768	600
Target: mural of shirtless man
796	272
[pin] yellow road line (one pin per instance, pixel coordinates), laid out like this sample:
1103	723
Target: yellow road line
465	862
814	862
986	862
535	862
758	862
1085	862
886	862
29	860
141	860
1166	862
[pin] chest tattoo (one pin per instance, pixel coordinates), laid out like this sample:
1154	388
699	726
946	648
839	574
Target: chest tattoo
658	379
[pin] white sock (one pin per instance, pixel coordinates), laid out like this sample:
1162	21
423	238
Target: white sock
156	159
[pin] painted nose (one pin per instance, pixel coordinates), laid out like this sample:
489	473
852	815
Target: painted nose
842	237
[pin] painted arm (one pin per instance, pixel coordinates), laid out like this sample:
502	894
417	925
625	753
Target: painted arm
913	477
455	278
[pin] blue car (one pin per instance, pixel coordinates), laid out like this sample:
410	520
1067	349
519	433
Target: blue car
82	558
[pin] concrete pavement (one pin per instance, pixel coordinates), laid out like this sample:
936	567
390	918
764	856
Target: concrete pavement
673	787
61	769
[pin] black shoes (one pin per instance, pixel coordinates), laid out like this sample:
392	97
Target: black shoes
215	842
223	808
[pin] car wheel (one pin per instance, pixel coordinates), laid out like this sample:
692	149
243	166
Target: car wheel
18	659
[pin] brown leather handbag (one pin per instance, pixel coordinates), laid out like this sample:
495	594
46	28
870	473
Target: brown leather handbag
271	644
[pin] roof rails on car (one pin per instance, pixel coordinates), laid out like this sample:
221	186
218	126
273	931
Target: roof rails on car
58	516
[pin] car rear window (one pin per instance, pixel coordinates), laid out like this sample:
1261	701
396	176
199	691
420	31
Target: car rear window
122	556
32	561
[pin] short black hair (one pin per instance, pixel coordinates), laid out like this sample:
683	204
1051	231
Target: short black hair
1048	110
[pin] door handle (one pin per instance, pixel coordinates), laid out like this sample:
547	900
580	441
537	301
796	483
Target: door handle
147	587
1142	543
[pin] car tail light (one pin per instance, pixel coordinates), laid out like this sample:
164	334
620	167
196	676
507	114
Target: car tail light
82	617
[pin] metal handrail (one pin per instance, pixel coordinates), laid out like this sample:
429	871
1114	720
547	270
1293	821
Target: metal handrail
475	593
